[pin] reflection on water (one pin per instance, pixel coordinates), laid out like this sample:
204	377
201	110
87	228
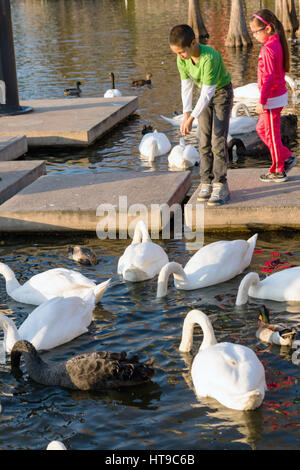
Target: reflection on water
58	42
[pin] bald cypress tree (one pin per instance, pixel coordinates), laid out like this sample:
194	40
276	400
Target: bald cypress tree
238	35
196	22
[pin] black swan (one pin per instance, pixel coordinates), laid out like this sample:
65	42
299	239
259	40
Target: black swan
90	371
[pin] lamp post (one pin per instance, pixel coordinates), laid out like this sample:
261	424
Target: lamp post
9	99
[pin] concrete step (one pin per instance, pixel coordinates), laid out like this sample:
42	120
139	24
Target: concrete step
15	176
90	202
12	147
253	205
68	121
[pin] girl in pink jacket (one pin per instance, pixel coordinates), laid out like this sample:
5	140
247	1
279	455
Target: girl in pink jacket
273	63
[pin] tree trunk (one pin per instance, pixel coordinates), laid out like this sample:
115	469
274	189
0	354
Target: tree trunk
238	35
196	22
286	12
298	30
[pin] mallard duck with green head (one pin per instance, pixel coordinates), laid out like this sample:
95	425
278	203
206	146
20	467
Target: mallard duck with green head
273	333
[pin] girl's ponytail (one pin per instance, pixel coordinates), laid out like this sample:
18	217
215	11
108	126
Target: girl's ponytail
284	44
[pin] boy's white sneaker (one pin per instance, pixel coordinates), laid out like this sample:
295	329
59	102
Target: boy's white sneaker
220	194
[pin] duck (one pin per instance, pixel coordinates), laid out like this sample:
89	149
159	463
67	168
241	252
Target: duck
212	264
51	283
241	124
183	156
142	259
273	333
154	144
73	91
56	321
98	370
228	372
113	92
282	286
143	82
56	445
177	119
251	91
83	255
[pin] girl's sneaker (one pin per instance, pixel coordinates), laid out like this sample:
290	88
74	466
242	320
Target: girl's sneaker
274	177
289	163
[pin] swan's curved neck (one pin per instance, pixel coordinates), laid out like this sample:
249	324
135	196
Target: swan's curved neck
11	334
196	317
251	279
141	233
10	279
112	80
163	277
239	106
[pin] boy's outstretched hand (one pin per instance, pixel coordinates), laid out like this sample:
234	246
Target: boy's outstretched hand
186	124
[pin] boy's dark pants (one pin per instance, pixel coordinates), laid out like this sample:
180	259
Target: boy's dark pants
213	125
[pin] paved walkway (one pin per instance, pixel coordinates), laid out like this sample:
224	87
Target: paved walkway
253	205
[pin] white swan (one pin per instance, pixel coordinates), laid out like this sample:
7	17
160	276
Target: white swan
230	373
142	259
251	91
52	283
241	124
113	92
154	144
54	322
56	445
183	156
176	120
282	286
210	265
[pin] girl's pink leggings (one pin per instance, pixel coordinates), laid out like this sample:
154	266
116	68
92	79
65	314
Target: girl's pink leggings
268	129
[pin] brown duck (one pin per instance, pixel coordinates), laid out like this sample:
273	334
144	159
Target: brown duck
83	255
143	82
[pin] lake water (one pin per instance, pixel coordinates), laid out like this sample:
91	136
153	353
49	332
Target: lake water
56	44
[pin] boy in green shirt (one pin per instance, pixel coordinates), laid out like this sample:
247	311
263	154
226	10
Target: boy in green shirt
202	65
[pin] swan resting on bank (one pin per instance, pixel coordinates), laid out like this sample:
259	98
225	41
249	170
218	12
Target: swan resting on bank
52	283
283	286
97	370
230	373
212	264
142	259
251	91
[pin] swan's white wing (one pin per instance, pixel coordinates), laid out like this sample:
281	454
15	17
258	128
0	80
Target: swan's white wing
176	120
57	321
242	125
281	286
250	91
147	257
56	281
